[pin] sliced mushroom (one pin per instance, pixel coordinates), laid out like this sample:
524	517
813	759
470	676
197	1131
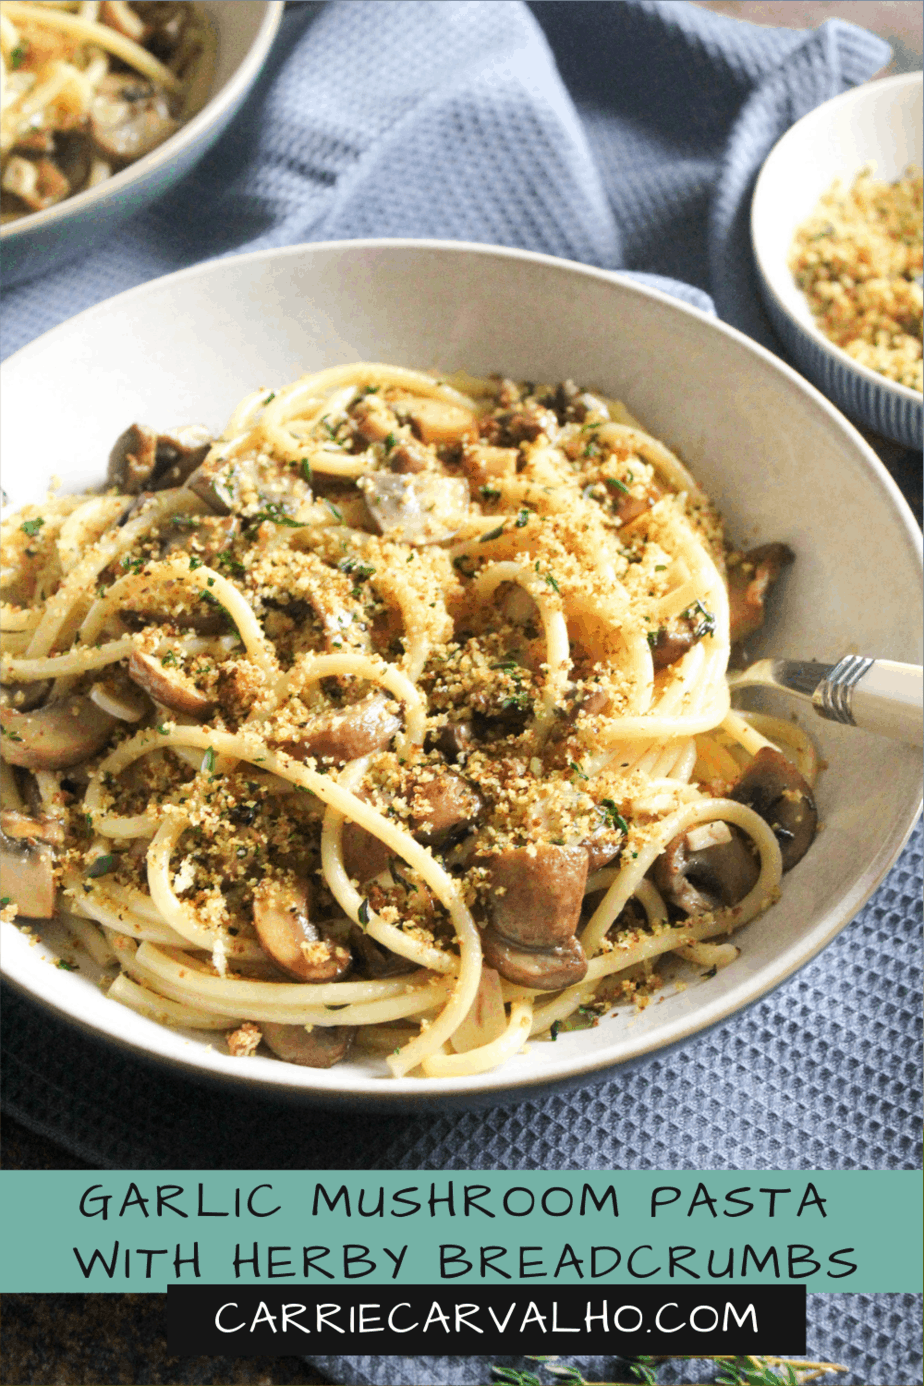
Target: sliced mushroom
170	687
434	420
546	969
24	696
422	509
774	789
749	582
700	881
61	733
409	457
22	826
283	925
129	117
142	460
670	645
74	157
452	741
376	960
601	847
342	735
483	463
317	1047
28	876
444	809
364	856
518	426
204	536
536	894
373	419
118	695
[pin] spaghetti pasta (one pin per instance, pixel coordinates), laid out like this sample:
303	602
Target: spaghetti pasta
88	88
399	709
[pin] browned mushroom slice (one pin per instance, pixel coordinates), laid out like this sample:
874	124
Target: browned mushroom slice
133	458
443	809
422	509
483	464
546	969
24	696
774	789
22	826
281	919
409	457
364	855
452	741
28	875
171	687
601	848
670	645
718	875
318	1047
61	733
373	419
129	117
434	420
142	460
536	894
375	960
345	734
749	583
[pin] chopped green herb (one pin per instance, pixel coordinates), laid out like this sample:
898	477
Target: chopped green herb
32	527
66	966
523	518
358	570
612	816
363	913
194	563
577	770
169	658
335	511
269	398
615	484
306	470
490	492
491	534
10	734
7	900
18	55
102	866
552	582
274	512
208	761
554	1029
390	442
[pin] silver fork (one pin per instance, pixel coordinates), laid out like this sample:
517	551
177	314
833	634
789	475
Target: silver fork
877	695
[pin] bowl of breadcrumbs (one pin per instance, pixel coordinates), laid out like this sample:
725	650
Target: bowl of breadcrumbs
836	226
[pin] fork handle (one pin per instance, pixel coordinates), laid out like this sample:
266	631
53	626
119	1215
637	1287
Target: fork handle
877	695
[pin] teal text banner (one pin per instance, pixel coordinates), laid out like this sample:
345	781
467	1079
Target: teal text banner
107	1231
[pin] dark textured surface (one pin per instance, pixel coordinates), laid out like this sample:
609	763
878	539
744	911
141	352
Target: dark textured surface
824	1073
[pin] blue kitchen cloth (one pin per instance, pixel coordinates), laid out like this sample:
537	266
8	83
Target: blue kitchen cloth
637	152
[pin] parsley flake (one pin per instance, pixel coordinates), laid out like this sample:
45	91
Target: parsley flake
32	527
101	866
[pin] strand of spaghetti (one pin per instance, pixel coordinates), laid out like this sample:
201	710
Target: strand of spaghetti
208	582
747	736
94	906
665	461
399	842
486	1056
704	811
109	548
234	996
99	34
156	1007
352	902
560	1007
175	912
786	733
558	652
79	661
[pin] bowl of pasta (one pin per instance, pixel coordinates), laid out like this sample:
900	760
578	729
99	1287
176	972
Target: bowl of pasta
367	732
106	106
836	232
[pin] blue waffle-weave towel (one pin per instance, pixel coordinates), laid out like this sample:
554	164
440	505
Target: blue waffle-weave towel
634	147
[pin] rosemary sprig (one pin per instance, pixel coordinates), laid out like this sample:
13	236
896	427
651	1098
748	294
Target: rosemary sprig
747	1370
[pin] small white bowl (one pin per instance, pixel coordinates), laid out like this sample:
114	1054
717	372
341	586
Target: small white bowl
879	124
244	31
769	449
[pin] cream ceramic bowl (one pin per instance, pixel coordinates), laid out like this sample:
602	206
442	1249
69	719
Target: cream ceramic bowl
878	124
244	31
780	461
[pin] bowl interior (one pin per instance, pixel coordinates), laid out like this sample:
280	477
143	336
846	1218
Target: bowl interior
241	29
779	460
879	125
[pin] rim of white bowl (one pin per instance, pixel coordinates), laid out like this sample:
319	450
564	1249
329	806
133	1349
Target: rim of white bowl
218	103
869	91
320	1087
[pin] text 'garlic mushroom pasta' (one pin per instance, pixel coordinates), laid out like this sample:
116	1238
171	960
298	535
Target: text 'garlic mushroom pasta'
89	88
396	717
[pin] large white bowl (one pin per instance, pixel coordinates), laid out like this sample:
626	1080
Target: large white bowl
879	124
34	244
781	462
